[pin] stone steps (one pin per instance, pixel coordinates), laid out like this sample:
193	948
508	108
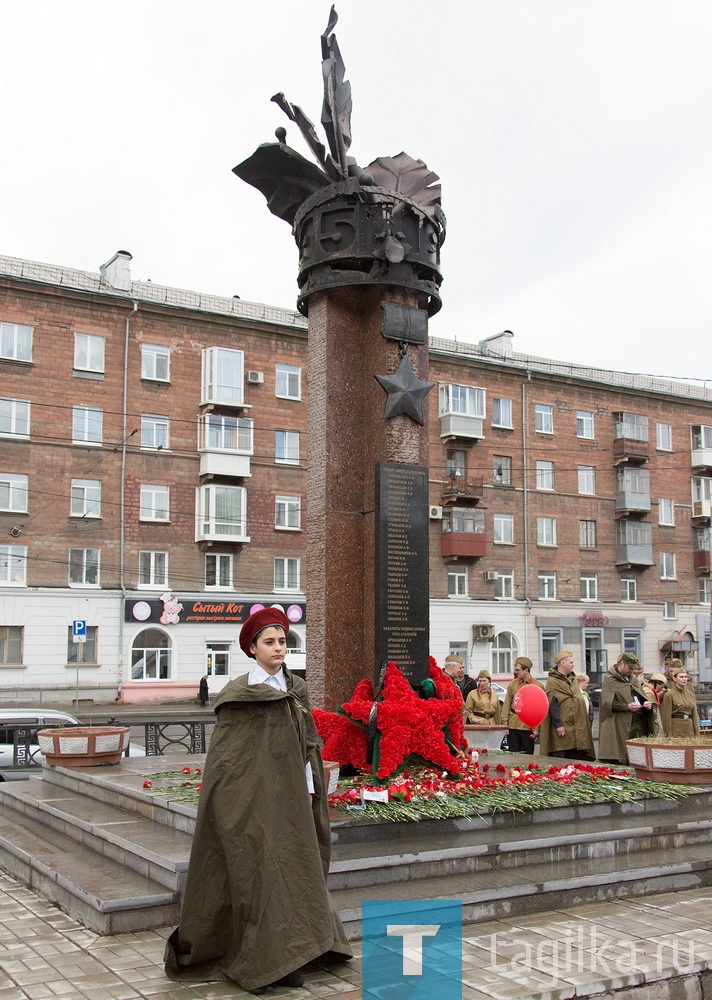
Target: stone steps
115	856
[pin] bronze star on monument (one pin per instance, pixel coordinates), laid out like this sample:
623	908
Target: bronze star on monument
406	392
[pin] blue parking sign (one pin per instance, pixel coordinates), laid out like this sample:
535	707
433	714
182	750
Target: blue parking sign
79	629
412	949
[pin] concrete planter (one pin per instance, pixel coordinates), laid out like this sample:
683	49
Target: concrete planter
83	746
331	776
673	762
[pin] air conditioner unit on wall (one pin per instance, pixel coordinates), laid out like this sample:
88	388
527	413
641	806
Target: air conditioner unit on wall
436	513
256	378
491	574
483	633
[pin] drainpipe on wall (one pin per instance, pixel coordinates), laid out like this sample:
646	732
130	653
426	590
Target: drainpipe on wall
525	498
122	500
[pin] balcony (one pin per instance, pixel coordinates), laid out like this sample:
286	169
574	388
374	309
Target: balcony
221	463
632	502
463	545
634	544
702	458
702	560
457	489
701	510
461	426
630	450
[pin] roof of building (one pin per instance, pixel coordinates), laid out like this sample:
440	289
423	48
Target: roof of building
147	291
486	351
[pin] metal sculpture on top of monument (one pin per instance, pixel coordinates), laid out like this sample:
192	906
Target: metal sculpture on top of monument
369	277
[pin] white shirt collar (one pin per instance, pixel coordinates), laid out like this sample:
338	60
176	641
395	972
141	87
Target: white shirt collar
260	676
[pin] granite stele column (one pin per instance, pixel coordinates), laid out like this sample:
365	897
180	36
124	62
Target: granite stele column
369	244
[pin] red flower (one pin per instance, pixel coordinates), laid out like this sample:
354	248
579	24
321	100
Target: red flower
148	784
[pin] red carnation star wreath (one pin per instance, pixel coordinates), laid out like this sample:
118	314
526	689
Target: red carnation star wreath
408	728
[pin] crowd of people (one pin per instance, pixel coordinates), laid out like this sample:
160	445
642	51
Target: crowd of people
631	705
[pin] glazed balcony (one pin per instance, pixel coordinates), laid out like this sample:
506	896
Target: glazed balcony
632	491
701	440
634	544
630	442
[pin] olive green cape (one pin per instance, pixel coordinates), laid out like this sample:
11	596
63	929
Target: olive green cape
256	906
574	716
615	719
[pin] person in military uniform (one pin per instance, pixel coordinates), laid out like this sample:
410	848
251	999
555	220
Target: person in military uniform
520	738
565	732
626	711
482	705
679	708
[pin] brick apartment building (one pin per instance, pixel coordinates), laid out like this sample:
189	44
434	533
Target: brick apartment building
153	485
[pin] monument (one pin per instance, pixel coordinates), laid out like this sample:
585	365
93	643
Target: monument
369	277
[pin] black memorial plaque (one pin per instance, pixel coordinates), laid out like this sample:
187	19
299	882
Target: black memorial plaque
402	583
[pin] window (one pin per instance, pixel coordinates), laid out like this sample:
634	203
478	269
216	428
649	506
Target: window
546	531
630	425
584	424
84	567
666	512
629	589
663	437
288	382
703	584
85	498
154	503
287	513
15	342
503	529
701	488
504	586
154	431
502	413
505	650
11	644
547	585
88	353
294	644
464	519
587	534
86	424
667	566
457	583
217	659
669	609
502	470
151	656
13	493
219	432
632	642
286	447
701	436
545	475
218	571
83	652
286	573
544	418
222	513
155	362
552	640
223	376
586	479
589	587
465	399
13	565
153	569
14	417
456	463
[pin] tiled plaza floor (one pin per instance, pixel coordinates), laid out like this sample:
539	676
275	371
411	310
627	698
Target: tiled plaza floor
548	956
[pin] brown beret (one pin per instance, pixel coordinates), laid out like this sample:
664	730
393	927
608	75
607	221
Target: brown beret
257	622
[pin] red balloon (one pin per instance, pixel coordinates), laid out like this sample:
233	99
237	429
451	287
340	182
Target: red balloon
531	705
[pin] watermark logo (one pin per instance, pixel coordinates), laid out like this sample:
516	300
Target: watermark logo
585	949
412	948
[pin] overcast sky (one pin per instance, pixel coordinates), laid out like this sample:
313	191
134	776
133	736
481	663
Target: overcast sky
572	138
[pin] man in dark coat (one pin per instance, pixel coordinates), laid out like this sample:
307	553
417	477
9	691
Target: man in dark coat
565	732
256	907
625	711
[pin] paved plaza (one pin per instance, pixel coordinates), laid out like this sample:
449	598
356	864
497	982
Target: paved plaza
663	941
